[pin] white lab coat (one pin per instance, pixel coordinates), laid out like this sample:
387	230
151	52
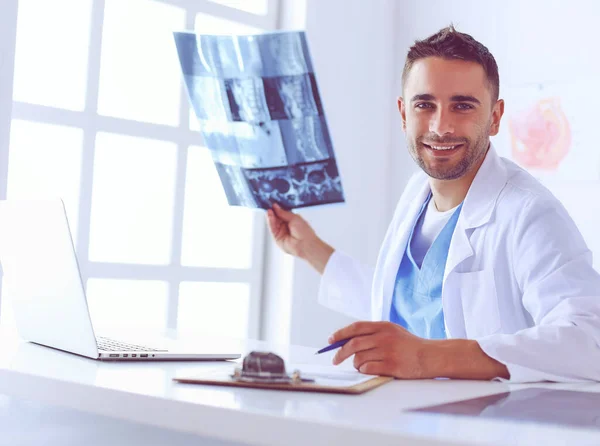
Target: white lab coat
518	278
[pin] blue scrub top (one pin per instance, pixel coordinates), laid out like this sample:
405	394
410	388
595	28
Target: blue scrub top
417	299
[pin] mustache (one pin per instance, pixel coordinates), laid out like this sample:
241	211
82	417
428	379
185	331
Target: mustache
436	139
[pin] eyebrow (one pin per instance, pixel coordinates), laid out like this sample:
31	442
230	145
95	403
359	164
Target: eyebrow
455	98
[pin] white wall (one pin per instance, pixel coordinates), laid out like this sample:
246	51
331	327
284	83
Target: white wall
359	48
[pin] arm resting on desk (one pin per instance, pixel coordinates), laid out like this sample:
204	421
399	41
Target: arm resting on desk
464	359
384	348
561	292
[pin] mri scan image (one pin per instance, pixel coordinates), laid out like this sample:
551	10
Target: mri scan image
291	97
208	97
261	116
260	146
296	186
306	140
240	57
235	186
221	142
247	100
284	54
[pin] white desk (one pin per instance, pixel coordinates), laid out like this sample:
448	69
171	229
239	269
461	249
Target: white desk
144	393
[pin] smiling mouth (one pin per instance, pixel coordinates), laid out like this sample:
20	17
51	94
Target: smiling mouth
443	147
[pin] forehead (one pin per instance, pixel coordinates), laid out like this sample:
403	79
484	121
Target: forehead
444	78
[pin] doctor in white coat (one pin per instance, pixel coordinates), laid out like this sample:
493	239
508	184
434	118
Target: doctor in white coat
482	273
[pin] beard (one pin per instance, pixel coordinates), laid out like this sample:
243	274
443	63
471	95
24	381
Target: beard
472	151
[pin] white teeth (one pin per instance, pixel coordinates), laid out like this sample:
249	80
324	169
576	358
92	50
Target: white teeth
443	148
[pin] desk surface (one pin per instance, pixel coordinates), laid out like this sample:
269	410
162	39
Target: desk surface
145	393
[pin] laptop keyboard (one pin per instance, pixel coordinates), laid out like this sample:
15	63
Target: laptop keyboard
111	345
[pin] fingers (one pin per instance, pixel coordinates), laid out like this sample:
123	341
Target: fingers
362	357
273	222
356	329
375	368
286	216
355	345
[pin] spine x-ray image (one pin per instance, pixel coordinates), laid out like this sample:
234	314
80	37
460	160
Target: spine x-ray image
261	117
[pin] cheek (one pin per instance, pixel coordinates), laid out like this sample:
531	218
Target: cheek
416	126
479	123
479	129
467	127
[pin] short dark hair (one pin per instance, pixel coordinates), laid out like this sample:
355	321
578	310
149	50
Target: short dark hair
450	44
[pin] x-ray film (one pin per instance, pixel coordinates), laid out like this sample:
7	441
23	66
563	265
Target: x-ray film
260	113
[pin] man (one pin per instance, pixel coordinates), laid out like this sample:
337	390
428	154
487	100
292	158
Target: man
482	273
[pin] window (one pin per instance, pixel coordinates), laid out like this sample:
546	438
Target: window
101	118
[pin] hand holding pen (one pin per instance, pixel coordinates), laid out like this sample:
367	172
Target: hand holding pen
387	349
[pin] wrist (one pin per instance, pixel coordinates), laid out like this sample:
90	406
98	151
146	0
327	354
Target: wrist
462	359
317	254
447	357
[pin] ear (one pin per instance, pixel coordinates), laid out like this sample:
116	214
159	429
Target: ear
497	113
402	109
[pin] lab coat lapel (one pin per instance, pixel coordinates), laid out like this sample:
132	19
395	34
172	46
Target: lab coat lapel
399	242
477	210
460	248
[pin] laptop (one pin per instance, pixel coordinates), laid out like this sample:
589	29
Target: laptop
43	280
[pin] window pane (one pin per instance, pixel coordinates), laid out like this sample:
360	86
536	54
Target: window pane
132	200
208	24
139	74
52	52
253	6
215	308
44	161
116	303
214	234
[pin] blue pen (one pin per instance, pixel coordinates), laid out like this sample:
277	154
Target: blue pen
335	345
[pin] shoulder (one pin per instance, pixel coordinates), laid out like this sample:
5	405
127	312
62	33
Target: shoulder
524	193
413	189
415	185
533	214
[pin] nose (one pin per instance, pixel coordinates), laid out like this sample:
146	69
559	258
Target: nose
441	123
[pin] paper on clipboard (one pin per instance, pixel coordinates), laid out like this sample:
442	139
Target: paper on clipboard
332	376
324	375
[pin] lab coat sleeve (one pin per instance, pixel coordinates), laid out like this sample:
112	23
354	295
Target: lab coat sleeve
346	286
561	292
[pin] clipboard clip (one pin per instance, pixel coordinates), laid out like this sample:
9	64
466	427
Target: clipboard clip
266	368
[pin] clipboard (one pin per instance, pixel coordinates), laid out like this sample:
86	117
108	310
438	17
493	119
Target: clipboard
262	370
226	380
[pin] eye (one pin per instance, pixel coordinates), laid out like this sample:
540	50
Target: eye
464	106
424	105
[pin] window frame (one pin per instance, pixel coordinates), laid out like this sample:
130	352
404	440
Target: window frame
91	123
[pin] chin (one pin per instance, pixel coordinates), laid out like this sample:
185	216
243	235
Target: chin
453	172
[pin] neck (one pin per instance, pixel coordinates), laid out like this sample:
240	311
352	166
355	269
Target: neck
448	194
